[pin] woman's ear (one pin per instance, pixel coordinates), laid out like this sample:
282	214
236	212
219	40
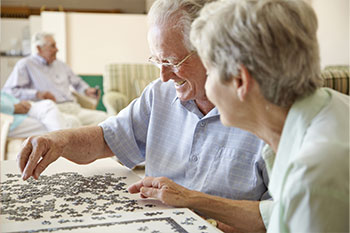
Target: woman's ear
243	83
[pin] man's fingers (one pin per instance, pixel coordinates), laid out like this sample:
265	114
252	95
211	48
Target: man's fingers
147	181
23	155
43	164
135	188
38	151
151	192
152	181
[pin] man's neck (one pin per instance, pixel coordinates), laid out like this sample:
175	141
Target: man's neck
205	106
41	58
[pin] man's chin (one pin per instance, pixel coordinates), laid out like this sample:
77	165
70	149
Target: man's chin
52	60
183	97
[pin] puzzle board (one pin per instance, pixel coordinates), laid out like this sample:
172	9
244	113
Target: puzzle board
86	198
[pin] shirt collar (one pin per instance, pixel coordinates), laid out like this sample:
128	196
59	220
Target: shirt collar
40	59
192	107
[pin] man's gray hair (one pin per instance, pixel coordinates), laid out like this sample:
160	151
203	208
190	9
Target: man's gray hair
39	39
177	13
274	39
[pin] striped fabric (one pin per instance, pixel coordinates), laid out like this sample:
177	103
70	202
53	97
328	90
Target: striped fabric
337	78
125	81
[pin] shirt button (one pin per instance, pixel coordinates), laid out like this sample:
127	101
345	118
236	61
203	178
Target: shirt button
202	124
194	158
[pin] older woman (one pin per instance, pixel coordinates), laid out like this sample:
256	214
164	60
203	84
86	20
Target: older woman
262	61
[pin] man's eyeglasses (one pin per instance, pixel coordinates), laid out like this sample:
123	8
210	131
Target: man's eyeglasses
174	67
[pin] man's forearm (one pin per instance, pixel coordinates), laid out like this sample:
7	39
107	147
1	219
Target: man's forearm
83	145
243	216
24	93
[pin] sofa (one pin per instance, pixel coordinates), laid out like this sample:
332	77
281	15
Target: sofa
122	83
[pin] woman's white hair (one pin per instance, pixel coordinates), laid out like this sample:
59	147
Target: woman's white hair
274	39
178	14
39	39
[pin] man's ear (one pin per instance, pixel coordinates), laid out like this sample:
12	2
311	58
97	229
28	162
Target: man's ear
38	48
243	83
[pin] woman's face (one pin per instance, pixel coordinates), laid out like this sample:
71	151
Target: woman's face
223	96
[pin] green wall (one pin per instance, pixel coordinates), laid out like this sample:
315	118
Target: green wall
93	81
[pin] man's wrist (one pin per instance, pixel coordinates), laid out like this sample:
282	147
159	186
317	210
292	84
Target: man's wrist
193	197
39	95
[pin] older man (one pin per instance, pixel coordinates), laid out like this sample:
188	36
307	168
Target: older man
42	76
173	127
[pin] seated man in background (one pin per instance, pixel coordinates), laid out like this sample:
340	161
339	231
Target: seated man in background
42	76
34	118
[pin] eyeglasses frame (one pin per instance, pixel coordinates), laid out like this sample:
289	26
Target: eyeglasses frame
168	64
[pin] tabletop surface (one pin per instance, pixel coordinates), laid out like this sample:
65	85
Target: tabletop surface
86	198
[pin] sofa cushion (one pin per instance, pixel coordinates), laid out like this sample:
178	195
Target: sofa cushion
121	77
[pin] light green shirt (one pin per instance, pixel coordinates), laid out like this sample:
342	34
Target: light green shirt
309	180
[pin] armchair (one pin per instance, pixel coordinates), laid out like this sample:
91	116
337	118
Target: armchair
124	82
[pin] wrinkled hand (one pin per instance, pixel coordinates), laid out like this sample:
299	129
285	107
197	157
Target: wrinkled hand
22	107
163	189
34	149
169	193
45	95
92	92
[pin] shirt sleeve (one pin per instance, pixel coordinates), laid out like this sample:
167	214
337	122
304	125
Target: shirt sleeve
18	83
126	133
266	208
78	83
317	189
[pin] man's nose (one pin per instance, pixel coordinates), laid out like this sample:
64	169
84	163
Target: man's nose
166	73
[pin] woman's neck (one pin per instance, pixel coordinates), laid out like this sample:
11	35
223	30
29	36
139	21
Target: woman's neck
270	120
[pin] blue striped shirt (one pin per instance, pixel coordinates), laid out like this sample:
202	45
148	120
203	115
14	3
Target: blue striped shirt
178	142
32	74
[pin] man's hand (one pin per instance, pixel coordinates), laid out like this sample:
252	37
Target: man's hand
92	92
163	189
34	149
80	145
22	107
45	95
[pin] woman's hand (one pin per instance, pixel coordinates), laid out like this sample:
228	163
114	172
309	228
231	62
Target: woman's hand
162	189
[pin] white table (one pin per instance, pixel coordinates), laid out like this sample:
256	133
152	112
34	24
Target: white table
86	198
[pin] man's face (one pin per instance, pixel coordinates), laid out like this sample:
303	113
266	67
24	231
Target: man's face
167	46
48	51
